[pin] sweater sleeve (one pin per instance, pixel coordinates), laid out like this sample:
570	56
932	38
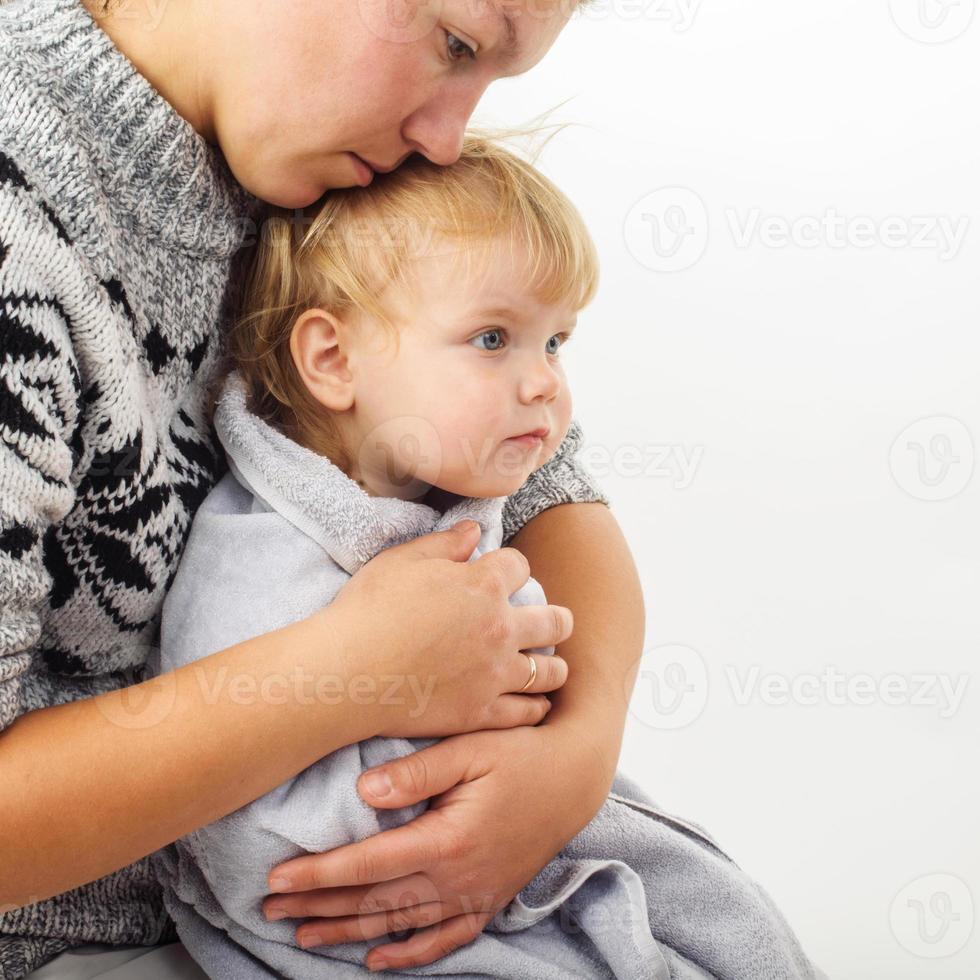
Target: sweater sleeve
562	480
40	393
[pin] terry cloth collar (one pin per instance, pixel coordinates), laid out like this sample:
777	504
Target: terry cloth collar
324	503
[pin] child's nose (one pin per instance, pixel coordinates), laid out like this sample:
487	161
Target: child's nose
540	380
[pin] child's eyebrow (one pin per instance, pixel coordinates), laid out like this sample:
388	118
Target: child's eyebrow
508	313
493	313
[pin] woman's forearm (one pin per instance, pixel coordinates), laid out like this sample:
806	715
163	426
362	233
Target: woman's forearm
579	555
91	786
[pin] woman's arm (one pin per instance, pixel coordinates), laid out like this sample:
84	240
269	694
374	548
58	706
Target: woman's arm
579	555
90	786
445	871
141	766
144	765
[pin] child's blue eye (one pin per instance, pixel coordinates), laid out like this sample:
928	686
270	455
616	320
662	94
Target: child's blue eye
489	333
562	339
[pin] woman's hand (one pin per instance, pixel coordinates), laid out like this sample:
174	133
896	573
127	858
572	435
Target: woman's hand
439	642
443	872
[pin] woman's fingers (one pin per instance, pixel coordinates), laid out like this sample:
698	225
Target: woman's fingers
390	854
549	674
504	567
511	710
354	900
420	775
326	932
429	945
541	626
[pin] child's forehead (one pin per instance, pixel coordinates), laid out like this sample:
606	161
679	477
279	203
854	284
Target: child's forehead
444	305
454	279
474	267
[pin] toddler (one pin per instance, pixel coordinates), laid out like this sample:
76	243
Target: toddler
397	367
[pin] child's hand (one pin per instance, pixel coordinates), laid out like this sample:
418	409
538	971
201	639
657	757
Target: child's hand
439	637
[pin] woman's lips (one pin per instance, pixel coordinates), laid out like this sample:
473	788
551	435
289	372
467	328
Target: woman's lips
364	173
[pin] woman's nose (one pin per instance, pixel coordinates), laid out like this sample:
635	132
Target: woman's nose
436	128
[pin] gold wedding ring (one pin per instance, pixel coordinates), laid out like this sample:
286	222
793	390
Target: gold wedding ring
534	672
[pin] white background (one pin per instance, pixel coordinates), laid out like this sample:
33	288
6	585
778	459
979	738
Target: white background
800	539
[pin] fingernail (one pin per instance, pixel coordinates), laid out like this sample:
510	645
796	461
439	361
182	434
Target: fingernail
465	526
280	884
273	914
311	939
378	783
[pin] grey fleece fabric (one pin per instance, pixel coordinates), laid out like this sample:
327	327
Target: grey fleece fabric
637	894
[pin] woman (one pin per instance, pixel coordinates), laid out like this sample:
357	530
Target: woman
135	142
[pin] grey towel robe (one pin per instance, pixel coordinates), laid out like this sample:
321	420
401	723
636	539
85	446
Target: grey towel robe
637	894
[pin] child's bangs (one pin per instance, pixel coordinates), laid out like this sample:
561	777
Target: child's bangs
467	207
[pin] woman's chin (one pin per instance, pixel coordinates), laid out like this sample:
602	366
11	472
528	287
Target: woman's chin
270	184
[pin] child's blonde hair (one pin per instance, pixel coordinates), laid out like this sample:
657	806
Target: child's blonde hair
342	252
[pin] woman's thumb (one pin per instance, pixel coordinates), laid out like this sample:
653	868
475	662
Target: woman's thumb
418	776
456	542
463	537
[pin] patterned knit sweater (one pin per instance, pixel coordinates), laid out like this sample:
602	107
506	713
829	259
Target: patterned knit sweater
118	225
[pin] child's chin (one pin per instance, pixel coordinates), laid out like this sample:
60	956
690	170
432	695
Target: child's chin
505	487
496	487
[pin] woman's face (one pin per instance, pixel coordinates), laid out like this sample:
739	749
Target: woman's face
295	87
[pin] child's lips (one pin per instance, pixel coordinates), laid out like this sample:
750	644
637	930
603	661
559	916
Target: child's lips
533	438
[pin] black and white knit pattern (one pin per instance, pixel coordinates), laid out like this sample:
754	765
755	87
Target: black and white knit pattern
118	225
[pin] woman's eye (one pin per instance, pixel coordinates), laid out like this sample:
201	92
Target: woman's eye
457	48
496	334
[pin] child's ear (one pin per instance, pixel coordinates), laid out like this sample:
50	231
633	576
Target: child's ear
318	344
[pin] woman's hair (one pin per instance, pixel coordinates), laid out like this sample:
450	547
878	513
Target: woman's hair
341	254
